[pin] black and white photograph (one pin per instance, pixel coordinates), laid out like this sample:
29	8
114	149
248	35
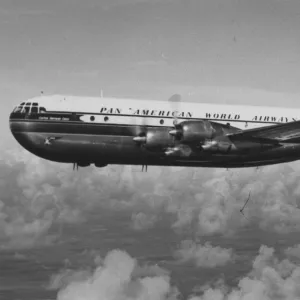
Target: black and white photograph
150	150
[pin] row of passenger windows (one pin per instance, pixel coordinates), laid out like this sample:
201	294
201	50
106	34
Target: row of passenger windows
25	108
106	119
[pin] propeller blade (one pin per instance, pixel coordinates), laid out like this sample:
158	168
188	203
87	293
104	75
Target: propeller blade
175	103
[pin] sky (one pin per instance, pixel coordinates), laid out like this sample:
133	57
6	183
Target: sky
233	51
90	234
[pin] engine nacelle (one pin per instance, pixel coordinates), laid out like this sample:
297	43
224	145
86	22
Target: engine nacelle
194	131
180	150
218	146
226	146
155	139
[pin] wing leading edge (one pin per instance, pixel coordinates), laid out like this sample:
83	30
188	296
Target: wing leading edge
281	133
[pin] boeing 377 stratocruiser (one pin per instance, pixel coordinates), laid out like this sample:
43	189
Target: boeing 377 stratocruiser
102	131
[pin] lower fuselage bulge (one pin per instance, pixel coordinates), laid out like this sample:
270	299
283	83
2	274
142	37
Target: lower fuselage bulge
102	131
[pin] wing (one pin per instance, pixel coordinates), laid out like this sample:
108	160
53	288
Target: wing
281	133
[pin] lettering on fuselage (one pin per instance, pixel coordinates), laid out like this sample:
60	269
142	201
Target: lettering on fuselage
272	119
222	116
228	116
114	111
54	118
147	112
162	113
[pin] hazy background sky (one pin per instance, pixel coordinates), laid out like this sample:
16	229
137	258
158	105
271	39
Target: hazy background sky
221	51
176	227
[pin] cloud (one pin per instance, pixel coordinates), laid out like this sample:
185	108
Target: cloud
30	203
118	277
212	207
142	221
205	255
293	252
269	278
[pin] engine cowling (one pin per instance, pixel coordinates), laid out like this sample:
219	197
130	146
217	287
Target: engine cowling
180	150
155	139
193	131
218	146
224	145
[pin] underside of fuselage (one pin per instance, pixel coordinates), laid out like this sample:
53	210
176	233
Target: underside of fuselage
103	144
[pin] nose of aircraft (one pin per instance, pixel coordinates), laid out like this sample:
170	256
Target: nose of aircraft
14	120
11	123
22	133
15	127
20	129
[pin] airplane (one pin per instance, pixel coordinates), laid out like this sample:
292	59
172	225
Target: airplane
104	130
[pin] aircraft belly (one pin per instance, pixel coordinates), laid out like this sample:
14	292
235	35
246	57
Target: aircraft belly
69	143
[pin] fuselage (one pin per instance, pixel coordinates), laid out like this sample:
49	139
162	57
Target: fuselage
101	131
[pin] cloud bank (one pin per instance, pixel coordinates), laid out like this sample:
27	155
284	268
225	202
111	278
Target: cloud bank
36	195
269	279
119	276
205	255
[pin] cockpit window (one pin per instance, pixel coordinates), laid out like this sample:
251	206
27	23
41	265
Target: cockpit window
34	109
28	108
18	109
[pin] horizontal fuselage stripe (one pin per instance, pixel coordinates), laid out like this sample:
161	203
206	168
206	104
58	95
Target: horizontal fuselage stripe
163	117
75	116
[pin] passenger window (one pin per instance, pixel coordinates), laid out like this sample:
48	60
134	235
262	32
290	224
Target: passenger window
42	109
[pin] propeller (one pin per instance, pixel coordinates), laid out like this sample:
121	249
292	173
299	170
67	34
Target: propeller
141	137
175	103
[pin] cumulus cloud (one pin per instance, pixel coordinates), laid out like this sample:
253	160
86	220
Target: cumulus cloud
120	276
293	252
203	255
29	202
210	203
117	277
269	279
142	221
